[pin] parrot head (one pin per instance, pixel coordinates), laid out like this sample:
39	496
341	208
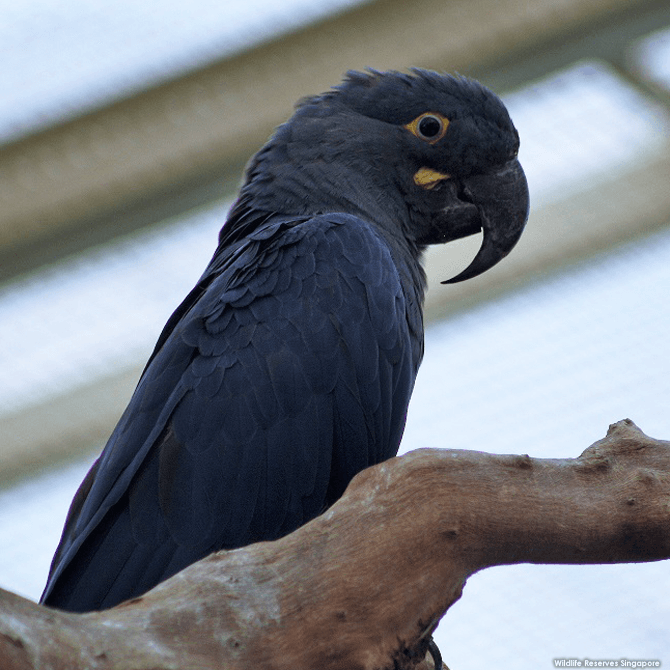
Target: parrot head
428	157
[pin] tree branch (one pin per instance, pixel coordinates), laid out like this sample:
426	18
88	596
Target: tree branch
364	585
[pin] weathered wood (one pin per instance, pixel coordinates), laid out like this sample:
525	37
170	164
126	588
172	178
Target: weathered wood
363	586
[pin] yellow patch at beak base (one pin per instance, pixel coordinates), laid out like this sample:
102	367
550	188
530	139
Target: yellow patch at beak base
427	178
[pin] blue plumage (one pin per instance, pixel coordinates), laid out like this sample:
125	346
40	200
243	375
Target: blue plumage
290	366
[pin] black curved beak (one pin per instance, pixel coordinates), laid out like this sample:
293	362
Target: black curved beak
502	202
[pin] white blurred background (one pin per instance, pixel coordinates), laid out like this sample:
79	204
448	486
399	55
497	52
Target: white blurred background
539	361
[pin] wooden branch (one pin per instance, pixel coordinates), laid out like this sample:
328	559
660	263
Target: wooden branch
365	584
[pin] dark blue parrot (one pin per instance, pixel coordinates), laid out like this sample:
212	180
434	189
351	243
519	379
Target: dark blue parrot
289	367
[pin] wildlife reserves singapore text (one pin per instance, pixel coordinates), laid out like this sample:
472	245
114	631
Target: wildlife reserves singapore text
605	663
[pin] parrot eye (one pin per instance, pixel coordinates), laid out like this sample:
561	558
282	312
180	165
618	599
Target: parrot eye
429	127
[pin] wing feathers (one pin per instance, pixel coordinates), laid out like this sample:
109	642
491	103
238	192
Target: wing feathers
288	371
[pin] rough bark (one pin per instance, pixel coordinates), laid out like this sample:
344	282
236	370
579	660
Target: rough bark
362	586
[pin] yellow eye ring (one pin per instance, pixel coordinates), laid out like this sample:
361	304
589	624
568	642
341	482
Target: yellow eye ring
429	127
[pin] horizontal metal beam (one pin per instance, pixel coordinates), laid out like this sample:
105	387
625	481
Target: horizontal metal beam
58	183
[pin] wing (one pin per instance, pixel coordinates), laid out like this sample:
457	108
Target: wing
287	371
